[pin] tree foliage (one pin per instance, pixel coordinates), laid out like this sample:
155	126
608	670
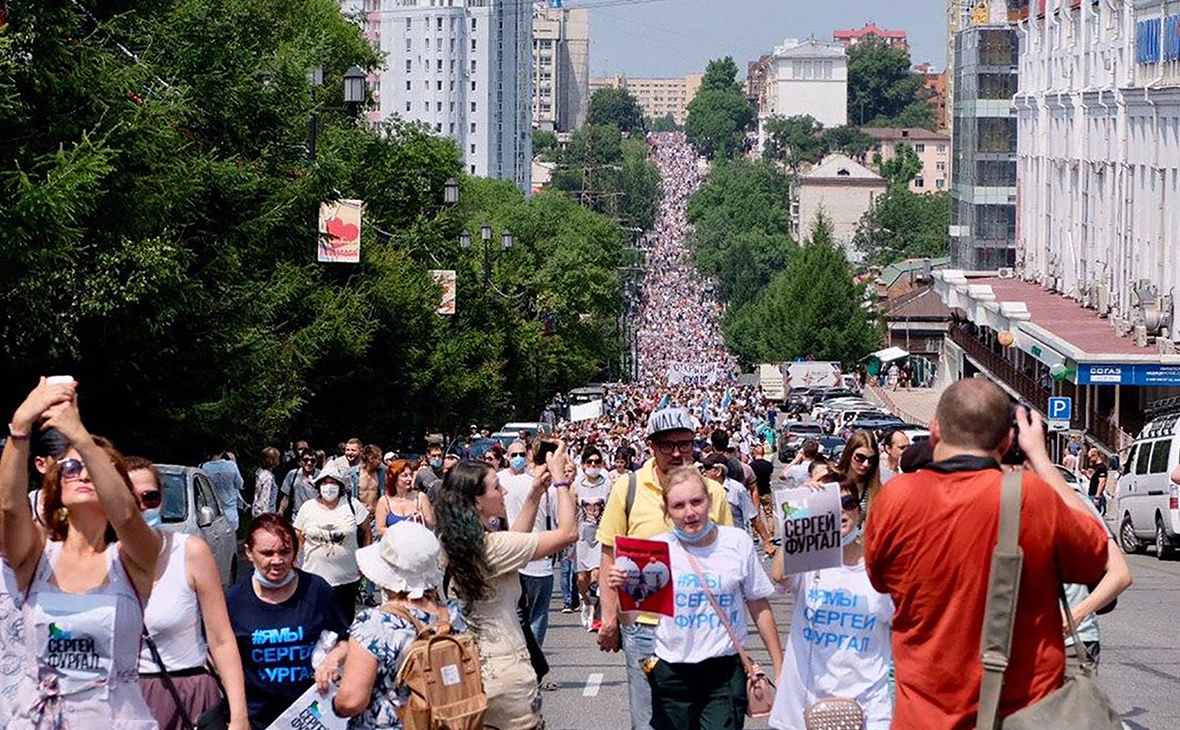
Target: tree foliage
851	141
610	175
719	114
611	105
812	309
741	221
882	90
903	224
160	240
666	123
545	144
801	140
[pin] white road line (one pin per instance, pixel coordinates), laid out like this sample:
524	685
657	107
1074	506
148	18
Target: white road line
593	683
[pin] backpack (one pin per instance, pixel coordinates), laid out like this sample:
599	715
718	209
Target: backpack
442	671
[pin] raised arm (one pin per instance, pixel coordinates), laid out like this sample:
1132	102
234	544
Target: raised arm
139	544
1032	440
554	541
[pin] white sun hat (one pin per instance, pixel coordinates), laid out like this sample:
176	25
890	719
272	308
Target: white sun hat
404	561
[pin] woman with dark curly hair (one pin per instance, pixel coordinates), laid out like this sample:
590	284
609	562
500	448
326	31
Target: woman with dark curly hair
483	564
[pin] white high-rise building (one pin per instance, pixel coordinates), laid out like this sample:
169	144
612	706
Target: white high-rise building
807	77
561	72
464	68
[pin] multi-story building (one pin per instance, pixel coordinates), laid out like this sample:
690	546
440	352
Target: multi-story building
983	188
806	77
657	97
891	38
464	70
933	150
840	187
757	78
1088	309
561	67
934	87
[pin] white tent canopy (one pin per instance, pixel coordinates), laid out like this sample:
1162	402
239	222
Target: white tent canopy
889	354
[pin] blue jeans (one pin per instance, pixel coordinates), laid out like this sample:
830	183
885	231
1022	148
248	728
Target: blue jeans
535	595
639	643
569	591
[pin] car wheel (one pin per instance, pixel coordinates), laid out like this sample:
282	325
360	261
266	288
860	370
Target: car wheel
1127	539
1163	548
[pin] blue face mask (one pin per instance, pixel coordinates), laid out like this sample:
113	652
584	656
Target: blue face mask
436	463
152	517
518	463
846	540
268	583
697	538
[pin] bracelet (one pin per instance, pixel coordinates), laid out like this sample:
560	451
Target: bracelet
561	484
16	435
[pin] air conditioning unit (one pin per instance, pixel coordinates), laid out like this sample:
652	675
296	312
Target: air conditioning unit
1140	336
1152	311
1165	345
1006	272
1122	327
1102	299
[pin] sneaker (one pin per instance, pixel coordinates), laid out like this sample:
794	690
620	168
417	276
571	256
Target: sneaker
594	627
567	608
587	615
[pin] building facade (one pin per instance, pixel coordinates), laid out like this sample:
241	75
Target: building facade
464	69
983	188
891	38
840	187
933	150
806	77
657	97
561	67
935	88
757	81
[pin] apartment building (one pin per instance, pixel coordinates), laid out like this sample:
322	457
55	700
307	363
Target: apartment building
561	68
657	97
933	150
891	38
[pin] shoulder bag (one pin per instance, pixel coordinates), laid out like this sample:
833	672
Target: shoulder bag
215	718
759	687
1079	702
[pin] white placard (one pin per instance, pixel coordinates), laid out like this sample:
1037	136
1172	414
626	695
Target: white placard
809	524
586	411
312	711
686	373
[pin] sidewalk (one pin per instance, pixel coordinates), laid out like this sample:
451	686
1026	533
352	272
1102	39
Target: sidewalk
913	405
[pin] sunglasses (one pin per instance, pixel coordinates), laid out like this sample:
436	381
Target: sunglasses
515	453
151	499
71	468
309	460
669	447
594	462
862	459
848	502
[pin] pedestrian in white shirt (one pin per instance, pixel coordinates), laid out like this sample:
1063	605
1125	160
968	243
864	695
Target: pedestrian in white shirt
698	679
536	578
330	529
840	631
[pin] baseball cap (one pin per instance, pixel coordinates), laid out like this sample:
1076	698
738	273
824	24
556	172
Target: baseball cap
669	419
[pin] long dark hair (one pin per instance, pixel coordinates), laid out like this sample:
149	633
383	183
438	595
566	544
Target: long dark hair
870	484
461	531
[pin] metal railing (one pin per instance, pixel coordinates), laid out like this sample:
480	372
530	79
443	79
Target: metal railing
1026	387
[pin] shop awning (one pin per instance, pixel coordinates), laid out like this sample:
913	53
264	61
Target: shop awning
889	354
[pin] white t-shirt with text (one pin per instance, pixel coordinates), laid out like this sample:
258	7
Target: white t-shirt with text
329	539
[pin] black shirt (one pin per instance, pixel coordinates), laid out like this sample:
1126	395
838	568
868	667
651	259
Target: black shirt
1098	474
736	472
763	470
276	641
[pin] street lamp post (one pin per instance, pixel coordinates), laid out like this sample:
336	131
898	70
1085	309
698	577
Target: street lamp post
354	95
489	254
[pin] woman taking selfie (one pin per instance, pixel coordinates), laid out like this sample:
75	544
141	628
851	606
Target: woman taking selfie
85	577
278	615
188	623
484	568
699	680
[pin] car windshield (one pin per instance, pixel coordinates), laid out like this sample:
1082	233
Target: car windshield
175	504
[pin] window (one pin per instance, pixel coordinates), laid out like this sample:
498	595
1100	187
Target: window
438	127
942	148
425	106
438	25
438	85
473	65
919	148
1144	458
919	182
940	184
473	127
438	106
473	149
409	44
473	106
439	63
407	106
473	85
408	68
473	28
473	166
1159	456
408	23
408	82
452	128
473	44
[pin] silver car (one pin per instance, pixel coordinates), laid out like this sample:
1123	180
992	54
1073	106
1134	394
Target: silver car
190	506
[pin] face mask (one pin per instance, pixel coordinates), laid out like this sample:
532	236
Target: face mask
851	537
697	538
594	471
518	463
330	492
436	463
152	517
268	583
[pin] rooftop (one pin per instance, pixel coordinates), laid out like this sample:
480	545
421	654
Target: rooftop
891	273
870	28
922	303
906	133
839	167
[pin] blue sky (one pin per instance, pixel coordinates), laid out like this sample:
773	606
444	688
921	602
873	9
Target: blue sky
675	37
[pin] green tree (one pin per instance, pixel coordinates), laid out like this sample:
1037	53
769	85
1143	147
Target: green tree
903	224
611	105
851	141
666	123
610	175
811	309
719	114
881	85
902	168
794	141
545	144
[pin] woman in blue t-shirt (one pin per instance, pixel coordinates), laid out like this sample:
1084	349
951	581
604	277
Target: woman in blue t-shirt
278	615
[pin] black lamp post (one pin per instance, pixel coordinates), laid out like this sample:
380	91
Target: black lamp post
355	81
485	234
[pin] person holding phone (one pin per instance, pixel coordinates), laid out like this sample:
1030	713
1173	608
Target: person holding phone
536	578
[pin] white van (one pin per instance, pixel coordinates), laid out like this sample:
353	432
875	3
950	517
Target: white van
1148	500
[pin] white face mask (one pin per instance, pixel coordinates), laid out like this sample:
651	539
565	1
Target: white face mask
330	491
594	471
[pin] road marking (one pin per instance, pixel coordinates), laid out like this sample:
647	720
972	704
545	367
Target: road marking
593	683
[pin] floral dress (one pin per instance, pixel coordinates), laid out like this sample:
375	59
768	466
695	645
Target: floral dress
387	636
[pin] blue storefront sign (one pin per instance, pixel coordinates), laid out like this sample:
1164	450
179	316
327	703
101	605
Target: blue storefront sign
1138	374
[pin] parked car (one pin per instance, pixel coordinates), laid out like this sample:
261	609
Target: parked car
831	447
532	427
190	506
793	434
1148	500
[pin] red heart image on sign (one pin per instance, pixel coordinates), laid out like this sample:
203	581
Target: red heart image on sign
341	230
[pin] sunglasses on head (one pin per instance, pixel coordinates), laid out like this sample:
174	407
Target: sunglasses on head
71	468
864	458
151	499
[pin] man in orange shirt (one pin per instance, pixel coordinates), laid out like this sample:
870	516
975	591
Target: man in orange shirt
929	544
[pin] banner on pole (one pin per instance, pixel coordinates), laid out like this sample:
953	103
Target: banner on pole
445	278
340	232
685	373
586	411
809	524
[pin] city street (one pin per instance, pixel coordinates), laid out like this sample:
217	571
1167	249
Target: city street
1140	659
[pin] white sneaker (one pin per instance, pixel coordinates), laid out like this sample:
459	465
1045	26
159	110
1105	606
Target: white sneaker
587	615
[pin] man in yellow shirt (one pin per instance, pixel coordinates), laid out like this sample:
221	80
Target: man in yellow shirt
639	512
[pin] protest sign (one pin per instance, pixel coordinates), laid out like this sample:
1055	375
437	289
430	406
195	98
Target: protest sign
685	373
586	411
312	711
648	586
809	523
445	278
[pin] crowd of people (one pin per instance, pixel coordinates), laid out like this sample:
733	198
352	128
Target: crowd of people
110	621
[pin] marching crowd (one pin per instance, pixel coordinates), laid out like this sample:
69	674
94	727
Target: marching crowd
360	558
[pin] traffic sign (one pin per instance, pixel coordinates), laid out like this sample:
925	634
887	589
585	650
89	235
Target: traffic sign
1058	426
1060	409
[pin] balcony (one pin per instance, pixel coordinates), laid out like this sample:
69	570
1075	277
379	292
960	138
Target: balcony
1029	389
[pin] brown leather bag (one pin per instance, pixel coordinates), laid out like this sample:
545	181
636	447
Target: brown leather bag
442	672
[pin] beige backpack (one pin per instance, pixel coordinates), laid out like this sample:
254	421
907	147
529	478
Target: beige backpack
441	670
